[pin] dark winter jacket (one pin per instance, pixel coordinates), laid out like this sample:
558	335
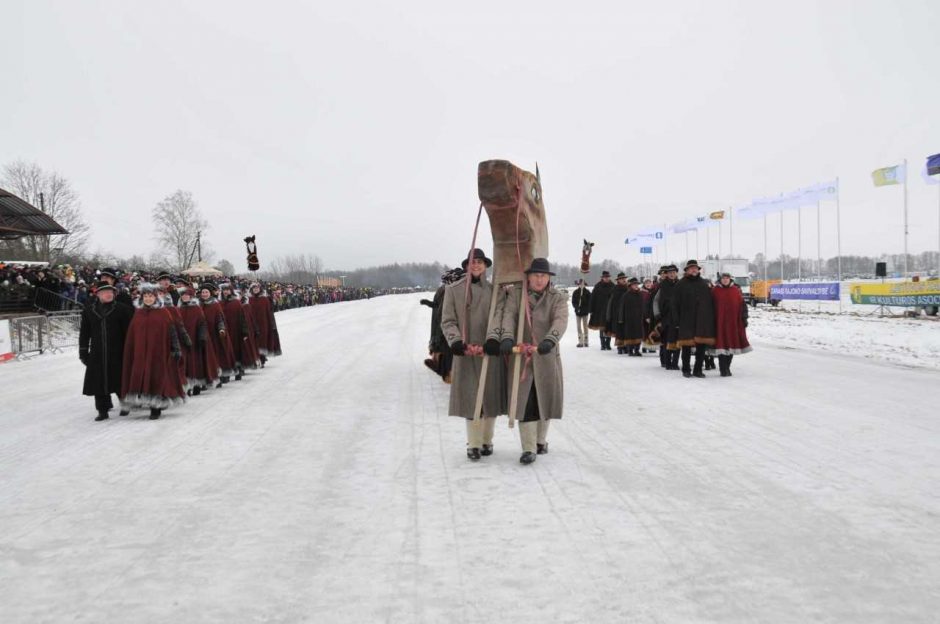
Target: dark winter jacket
613	308
101	346
629	325
437	343
694	312
581	301
600	296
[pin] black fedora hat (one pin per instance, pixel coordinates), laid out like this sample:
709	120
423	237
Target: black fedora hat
477	255
621	275
605	273
633	280
692	263
539	265
671	268
664	269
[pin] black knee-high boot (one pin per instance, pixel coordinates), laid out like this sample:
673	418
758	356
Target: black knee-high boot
699	361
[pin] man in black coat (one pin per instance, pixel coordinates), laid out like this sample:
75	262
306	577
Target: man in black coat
600	296
695	318
581	302
664	318
101	347
613	307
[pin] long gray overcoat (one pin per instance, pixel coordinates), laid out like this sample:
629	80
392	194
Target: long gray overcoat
465	374
549	320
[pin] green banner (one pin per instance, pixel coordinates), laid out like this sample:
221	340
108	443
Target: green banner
901	294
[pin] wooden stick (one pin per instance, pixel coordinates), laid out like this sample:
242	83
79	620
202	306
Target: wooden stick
517	365
481	384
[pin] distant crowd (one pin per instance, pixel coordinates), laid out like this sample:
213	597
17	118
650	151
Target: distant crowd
19	284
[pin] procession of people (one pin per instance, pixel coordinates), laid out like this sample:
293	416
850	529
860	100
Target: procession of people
686	321
164	344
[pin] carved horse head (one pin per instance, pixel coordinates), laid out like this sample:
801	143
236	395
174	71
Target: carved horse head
504	190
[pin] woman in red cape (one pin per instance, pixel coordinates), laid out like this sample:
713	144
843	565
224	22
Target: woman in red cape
202	365
253	334
269	342
218	334
730	323
186	342
238	329
150	376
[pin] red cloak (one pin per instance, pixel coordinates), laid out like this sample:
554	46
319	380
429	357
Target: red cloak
151	374
730	312
218	336
237	326
251	345
269	342
202	365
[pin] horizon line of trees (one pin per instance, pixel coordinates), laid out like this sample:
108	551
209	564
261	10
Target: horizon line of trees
177	222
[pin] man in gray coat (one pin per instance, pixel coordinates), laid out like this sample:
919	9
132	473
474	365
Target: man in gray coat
541	390
464	319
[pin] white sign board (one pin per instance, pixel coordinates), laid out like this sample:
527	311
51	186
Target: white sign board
6	344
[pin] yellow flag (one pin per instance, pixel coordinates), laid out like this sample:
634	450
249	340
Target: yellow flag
718	215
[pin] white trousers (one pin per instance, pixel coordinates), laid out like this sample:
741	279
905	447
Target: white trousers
533	433
480	432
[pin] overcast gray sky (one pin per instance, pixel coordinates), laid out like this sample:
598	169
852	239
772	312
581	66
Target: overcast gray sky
352	130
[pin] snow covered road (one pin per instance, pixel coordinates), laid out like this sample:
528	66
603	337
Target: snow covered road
331	487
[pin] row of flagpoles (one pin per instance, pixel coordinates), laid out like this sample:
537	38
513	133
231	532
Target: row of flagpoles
650	237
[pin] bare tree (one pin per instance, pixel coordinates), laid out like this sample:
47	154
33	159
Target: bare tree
297	268
226	267
54	195
178	222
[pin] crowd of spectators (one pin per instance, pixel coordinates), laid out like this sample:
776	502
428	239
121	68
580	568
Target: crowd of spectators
19	284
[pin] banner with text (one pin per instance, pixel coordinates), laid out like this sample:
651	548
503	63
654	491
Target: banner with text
897	293
806	291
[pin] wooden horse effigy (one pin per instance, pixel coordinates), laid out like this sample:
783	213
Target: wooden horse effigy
512	199
252	249
586	250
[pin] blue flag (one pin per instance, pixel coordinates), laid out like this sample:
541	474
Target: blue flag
933	165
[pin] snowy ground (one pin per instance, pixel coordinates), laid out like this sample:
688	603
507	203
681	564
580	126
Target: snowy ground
903	341
331	487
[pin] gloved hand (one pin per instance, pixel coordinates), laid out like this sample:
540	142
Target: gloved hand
545	346
458	348
491	347
427	302
505	347
83	357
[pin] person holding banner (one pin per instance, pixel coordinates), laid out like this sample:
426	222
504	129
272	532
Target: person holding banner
695	318
464	321
730	323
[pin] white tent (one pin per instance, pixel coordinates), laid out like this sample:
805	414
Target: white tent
202	269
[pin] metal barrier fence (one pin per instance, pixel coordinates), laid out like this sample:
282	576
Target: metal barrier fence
54	332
